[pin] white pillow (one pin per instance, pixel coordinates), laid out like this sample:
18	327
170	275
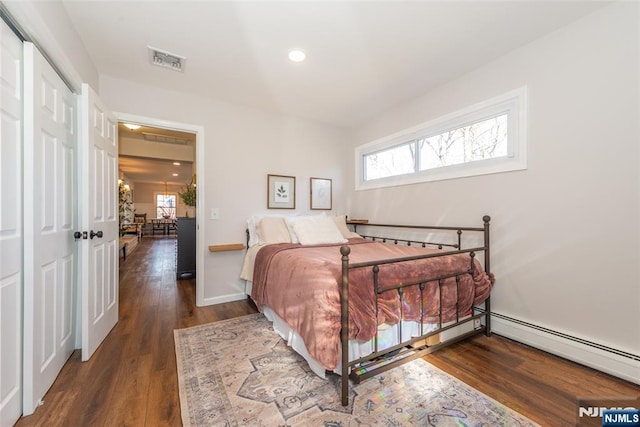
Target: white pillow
273	230
341	223
289	220
252	225
254	239
316	230
292	233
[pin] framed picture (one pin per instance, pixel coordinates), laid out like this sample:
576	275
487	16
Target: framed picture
281	192
321	193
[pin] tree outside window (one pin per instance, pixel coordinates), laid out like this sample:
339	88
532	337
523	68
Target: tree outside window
166	206
484	138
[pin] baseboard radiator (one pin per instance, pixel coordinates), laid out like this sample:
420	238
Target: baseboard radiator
613	361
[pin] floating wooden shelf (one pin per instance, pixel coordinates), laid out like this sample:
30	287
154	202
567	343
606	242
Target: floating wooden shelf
357	221
227	247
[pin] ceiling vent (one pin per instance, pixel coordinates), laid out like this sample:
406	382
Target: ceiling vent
155	137
165	59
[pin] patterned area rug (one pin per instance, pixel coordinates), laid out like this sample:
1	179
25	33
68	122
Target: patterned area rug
239	372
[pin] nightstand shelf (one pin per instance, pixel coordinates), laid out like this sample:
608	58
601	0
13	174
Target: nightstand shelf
357	221
226	247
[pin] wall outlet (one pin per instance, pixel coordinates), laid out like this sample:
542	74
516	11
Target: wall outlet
215	213
476	323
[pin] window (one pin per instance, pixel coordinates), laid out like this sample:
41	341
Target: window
486	138
393	161
165	205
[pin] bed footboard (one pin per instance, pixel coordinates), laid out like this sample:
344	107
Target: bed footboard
477	320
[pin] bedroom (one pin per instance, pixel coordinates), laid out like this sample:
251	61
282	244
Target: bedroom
549	221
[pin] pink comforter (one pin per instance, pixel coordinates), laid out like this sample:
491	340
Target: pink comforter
302	285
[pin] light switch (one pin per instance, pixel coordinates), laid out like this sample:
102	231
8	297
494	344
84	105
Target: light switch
215	213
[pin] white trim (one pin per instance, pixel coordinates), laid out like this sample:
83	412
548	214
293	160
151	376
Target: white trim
515	102
202	181
167	193
225	298
619	366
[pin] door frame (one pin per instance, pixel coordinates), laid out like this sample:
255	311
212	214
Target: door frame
201	177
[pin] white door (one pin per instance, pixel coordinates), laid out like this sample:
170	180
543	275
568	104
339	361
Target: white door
99	216
10	226
49	221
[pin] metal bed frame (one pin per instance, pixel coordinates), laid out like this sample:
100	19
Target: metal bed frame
405	351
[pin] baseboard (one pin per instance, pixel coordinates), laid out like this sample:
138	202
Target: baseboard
611	361
224	298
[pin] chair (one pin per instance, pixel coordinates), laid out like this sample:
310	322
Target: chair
172	226
140	220
157	225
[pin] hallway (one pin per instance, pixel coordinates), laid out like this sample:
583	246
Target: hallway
131	379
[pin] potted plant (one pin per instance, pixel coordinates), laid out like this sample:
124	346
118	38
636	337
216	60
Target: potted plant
188	197
124	205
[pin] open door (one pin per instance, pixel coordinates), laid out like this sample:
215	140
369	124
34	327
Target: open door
99	216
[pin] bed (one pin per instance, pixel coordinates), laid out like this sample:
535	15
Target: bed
363	300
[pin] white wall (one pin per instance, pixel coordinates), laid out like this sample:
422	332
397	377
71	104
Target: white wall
242	146
565	232
48	24
144	198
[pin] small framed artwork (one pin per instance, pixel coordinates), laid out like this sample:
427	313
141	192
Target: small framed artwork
281	192
321	193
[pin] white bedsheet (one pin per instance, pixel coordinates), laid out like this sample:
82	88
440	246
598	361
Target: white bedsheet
387	336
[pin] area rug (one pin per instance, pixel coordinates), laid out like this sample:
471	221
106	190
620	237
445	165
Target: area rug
239	372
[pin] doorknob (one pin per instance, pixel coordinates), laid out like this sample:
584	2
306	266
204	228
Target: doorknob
98	234
84	235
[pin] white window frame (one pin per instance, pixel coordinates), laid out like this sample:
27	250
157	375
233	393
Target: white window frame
155	201
514	103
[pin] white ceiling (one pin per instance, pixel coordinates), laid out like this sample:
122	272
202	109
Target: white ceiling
154	170
364	57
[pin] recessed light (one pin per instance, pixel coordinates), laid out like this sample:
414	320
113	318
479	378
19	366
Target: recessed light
131	126
174	174
176	163
297	55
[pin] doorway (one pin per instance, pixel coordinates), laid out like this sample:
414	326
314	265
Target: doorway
156	169
182	143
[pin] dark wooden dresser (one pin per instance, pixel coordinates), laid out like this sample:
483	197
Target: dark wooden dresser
186	248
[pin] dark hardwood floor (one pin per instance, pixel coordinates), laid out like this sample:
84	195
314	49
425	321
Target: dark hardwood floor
131	380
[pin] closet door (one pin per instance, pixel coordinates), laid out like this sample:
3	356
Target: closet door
49	222
11	275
